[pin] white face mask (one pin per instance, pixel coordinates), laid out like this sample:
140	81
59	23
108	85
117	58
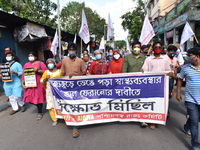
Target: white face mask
31	58
9	58
116	56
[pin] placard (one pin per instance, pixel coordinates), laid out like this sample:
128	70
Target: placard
30	77
5	72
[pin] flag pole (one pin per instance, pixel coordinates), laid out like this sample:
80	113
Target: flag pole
196	38
81	47
59	32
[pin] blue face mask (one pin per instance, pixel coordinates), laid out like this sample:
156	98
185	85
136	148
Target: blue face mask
50	66
98	56
110	54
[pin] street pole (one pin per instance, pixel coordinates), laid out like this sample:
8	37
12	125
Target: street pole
59	32
105	39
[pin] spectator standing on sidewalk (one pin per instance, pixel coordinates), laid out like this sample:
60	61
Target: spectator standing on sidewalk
191	73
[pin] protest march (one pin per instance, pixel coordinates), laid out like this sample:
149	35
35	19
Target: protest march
107	84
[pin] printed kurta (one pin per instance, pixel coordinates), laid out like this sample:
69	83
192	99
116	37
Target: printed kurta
49	95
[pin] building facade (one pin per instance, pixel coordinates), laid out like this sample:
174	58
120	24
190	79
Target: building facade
169	27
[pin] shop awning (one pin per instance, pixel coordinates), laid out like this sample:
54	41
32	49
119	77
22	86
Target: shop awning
29	32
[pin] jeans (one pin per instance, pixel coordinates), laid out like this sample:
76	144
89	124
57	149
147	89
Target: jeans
193	121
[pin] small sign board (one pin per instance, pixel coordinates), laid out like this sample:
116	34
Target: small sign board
30	77
5	72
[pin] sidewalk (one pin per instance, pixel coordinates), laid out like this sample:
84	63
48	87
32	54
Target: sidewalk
3	102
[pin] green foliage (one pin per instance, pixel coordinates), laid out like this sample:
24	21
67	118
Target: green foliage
133	21
71	17
41	11
36	10
120	44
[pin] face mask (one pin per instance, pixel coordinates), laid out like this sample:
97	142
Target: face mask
157	51
116	56
136	51
72	54
31	58
171	55
98	56
189	60
145	53
50	66
86	59
93	58
164	52
9	58
110	54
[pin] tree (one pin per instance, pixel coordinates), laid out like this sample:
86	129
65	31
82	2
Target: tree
133	21
120	44
71	19
36	10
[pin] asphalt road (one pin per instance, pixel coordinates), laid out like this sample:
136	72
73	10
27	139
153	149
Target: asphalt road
22	132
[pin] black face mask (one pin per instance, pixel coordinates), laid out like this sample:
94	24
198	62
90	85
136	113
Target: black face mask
145	53
171	55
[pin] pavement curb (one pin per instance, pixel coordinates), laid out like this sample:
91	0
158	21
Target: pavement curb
4	106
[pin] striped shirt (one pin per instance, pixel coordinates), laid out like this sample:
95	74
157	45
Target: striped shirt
192	88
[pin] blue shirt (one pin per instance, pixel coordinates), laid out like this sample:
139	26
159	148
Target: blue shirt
192	88
14	87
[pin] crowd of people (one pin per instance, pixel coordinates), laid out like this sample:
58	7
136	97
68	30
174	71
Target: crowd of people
141	59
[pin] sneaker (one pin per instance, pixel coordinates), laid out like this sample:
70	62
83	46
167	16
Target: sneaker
186	131
54	123
143	125
13	112
23	108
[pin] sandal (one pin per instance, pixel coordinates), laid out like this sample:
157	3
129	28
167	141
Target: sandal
39	117
75	133
152	126
143	125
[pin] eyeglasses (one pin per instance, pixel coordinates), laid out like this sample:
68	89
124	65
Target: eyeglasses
157	47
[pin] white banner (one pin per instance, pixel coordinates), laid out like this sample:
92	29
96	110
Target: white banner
54	44
147	32
186	34
74	39
84	31
102	45
110	29
140	97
